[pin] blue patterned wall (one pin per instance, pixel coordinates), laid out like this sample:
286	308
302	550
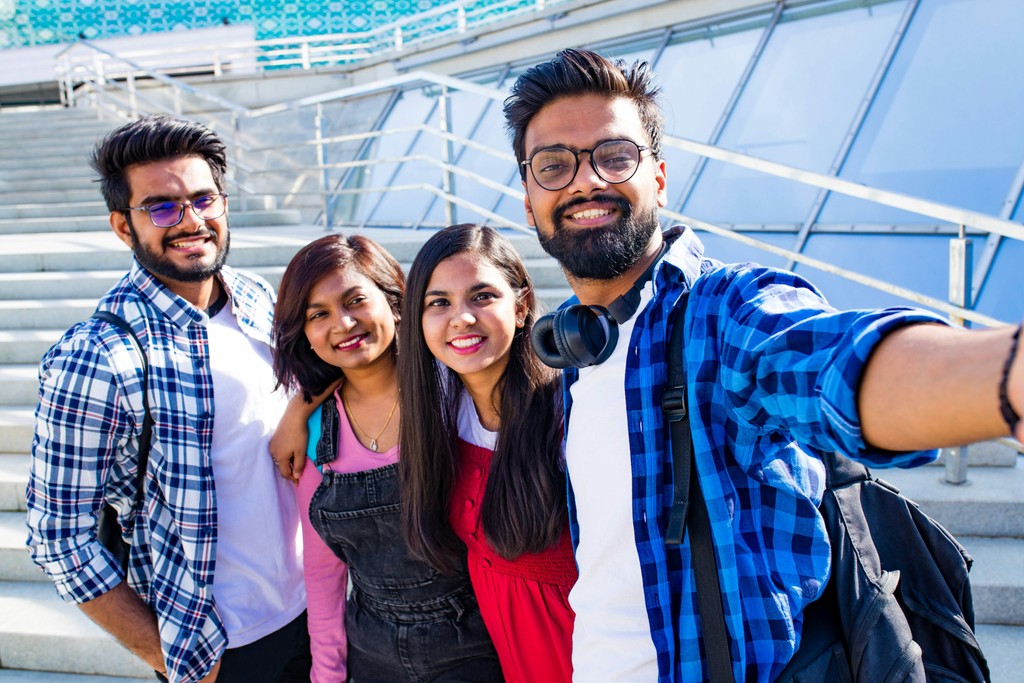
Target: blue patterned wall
25	23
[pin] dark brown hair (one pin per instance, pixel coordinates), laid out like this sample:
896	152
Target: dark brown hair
524	508
581	72
149	139
296	365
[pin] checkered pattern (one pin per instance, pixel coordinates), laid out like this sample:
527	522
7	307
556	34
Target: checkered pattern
85	447
772	372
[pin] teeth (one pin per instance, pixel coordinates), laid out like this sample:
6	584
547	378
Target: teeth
591	213
349	343
466	342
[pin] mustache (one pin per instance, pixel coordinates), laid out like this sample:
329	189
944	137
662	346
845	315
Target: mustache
206	234
622	204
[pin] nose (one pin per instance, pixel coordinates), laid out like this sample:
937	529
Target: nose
461	318
190	220
586	179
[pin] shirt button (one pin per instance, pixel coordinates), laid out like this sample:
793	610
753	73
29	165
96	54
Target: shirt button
469	503
477	472
200	583
486	563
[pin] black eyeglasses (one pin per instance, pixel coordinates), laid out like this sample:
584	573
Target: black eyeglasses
168	214
614	161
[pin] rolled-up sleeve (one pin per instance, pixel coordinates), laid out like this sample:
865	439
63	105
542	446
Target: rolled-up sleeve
80	426
793	363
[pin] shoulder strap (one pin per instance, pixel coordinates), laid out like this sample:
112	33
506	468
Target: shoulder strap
147	420
686	486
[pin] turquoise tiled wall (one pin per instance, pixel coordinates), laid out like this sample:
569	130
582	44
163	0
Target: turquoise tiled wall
24	23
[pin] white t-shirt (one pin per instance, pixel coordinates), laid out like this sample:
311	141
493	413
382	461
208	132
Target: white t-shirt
471	430
258	586
612	637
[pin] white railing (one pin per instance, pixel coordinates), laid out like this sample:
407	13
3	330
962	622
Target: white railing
452	19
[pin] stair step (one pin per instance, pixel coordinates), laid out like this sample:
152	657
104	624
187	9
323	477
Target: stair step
15	562
40	632
13	479
1002	648
22	676
100	222
991	503
997	579
20	384
17	424
57	209
26	346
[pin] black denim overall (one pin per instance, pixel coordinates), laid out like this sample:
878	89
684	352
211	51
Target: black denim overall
404	620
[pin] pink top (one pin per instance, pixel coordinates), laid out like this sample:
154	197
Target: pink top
327	576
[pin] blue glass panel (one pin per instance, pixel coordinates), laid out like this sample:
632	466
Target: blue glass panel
731	251
491	133
796	110
1003	293
916	262
412	108
946	123
697	78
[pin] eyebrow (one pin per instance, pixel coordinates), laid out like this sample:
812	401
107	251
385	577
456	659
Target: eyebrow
475	288
569	147
344	295
153	199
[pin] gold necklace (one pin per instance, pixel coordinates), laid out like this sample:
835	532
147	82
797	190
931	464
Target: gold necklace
352	419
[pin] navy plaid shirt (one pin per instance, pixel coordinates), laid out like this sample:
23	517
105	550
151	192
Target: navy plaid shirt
84	454
772	372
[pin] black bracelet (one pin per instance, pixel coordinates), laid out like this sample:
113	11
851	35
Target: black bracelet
1009	414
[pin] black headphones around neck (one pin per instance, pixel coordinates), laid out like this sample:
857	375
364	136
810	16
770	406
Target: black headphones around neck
579	336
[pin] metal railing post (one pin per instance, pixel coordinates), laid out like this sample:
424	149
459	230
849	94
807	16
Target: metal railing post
447	179
133	105
321	160
961	265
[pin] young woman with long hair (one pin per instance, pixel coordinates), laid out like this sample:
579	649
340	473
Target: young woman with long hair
337	313
481	437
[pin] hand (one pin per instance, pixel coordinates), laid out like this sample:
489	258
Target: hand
212	676
288	445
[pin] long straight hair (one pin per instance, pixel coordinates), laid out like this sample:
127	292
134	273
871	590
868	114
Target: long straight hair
524	508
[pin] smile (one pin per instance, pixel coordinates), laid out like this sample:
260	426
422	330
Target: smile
590	213
350	343
466	342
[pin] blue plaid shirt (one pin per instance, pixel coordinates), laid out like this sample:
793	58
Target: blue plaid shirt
772	373
84	454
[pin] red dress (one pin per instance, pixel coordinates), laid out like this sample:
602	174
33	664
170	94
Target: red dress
524	602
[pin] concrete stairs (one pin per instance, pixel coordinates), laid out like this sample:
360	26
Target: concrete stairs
58	255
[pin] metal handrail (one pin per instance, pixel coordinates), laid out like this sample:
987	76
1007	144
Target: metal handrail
924	207
942	212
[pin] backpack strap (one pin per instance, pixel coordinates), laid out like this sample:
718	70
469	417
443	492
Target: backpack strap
683	516
145	438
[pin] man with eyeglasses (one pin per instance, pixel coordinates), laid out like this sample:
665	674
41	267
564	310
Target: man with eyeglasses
214	588
775	376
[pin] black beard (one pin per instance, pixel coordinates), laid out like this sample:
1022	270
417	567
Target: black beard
600	253
159	266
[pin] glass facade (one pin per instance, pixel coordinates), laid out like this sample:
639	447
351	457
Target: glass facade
910	96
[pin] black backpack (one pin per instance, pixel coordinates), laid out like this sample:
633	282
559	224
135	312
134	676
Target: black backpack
898	604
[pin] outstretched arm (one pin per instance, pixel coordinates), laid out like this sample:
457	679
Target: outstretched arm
928	386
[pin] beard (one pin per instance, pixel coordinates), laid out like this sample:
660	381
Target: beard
196	272
600	253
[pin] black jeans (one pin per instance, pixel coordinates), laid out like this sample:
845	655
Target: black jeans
404	620
281	657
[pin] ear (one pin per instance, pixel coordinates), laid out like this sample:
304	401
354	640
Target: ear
522	308
660	179
529	207
119	224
